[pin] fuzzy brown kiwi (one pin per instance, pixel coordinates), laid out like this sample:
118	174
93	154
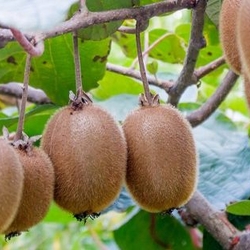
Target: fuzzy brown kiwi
11	184
162	160
228	33
37	191
88	151
243	31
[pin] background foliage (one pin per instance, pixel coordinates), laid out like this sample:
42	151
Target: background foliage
222	140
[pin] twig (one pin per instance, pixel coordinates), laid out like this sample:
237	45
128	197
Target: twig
21	119
34	95
164	84
83	19
201	114
214	221
83	6
195	44
27	45
77	62
205	70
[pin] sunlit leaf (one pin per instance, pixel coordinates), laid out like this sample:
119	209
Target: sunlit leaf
114	84
239	208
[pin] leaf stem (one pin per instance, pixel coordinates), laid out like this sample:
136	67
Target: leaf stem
141	64
77	61
19	132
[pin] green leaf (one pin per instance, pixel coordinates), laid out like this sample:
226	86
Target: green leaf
239	208
211	33
58	215
224	161
213	10
127	43
144	2
35	120
115	84
54	70
33	15
152	67
170	49
209	243
101	31
183	30
152	232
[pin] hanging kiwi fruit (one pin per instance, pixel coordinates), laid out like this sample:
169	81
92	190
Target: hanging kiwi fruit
11	184
88	150
37	189
228	33
243	30
38	172
162	160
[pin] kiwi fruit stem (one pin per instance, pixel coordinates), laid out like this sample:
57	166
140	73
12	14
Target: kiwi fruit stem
148	95
19	132
79	100
77	61
84	216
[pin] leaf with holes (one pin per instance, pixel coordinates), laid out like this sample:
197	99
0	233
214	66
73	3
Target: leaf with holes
54	70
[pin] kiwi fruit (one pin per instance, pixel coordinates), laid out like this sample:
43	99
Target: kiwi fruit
243	36
37	190
162	159
89	154
228	33
11	184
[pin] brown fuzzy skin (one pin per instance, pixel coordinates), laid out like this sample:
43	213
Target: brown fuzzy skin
228	33
37	191
89	154
11	184
243	31
162	159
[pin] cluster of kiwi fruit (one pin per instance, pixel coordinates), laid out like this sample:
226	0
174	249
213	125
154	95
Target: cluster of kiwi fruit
234	33
86	157
26	185
153	154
